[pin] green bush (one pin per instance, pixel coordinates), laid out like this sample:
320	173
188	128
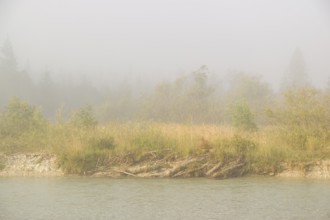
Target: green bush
84	118
242	117
19	118
93	150
231	148
81	162
302	119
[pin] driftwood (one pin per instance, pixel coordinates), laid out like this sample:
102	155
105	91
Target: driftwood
214	169
172	167
179	173
189	172
125	172
145	168
228	170
180	166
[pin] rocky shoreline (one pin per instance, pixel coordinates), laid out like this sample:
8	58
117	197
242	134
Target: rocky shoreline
42	164
313	170
30	164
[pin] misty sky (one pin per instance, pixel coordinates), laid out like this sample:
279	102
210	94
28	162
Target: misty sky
105	38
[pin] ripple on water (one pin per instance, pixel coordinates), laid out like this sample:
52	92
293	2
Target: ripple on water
102	198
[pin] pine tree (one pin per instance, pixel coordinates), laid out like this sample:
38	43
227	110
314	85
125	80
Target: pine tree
8	63
296	76
13	82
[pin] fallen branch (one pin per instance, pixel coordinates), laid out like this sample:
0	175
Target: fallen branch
187	173
227	170
214	169
179	167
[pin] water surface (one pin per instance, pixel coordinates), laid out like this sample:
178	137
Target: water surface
103	198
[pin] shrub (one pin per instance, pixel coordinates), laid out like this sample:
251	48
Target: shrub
242	117
231	148
20	117
302	119
84	118
81	161
85	153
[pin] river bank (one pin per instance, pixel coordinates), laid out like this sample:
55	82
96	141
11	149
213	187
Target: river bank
43	164
29	164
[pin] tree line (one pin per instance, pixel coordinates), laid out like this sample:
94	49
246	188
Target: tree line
241	99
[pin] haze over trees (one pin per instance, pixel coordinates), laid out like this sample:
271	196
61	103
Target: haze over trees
236	119
240	99
297	73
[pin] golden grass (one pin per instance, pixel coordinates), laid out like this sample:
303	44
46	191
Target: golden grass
78	147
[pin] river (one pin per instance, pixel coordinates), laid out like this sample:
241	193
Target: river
103	198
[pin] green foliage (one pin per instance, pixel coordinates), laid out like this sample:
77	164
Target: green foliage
242	117
303	118
81	161
20	117
230	148
84	118
300	132
91	152
253	91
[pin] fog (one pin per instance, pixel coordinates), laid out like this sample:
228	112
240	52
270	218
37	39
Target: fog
106	39
115	44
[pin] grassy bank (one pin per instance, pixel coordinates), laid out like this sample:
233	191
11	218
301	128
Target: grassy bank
297	131
81	150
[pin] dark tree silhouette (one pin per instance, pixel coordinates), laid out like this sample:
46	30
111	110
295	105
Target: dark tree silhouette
296	76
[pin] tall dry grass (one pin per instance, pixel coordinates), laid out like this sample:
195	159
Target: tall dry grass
81	149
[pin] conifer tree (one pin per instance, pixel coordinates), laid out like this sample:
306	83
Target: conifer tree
296	76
